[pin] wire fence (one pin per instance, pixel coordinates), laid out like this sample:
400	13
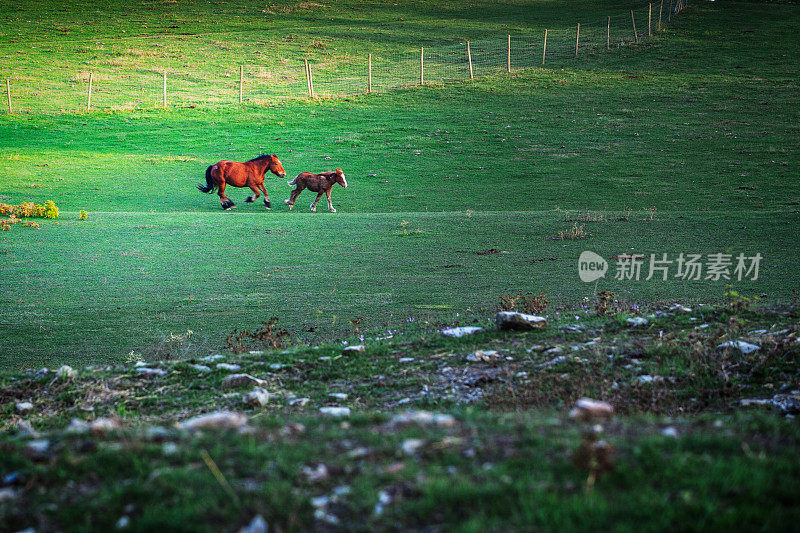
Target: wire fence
302	72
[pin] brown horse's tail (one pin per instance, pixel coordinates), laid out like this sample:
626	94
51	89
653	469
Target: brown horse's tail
210	185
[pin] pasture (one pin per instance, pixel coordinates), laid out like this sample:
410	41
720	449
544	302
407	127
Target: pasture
684	143
461	198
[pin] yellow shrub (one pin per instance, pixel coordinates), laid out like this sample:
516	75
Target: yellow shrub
50	209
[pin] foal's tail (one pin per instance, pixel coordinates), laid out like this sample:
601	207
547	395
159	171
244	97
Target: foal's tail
210	185
293	182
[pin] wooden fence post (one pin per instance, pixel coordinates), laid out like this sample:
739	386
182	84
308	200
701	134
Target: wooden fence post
422	66
308	78
633	20
669	12
311	81
89	98
241	82
660	10
544	48
577	39
469	59
508	56
608	35
8	92
649	19
165	89
369	75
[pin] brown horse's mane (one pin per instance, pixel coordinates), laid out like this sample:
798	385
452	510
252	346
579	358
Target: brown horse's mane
261	157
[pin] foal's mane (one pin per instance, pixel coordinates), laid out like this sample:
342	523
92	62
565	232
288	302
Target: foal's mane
260	158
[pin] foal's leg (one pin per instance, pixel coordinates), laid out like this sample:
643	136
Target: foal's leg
251	199
330	204
293	197
314	205
266	196
226	202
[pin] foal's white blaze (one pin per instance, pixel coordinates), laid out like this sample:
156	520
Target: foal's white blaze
344	180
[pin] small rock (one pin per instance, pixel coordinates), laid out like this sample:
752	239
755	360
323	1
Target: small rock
236	381
66	372
670	432
156	433
77	426
637	321
123	523
216	420
101	426
411	446
554	350
23	408
7	494
212	358
38	447
642	380
744	347
335	411
680	309
425	418
169	449
151	371
588	410
461	331
258	397
486	356
509	320
315	475
554	361
228	366
299	401
338	396
200	368
137	364
256	525
349	350
277	366
25	429
405	360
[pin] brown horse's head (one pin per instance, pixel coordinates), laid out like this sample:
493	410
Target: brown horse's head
276	167
340	179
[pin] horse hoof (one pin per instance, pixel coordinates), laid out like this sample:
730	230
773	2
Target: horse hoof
267	204
249	199
286	202
333	210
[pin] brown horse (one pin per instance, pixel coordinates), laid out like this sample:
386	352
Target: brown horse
319	183
248	174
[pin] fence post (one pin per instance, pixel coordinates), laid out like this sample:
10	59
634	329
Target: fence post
649	18
633	20
8	92
311	81
508	57
660	10
544	48
469	59
369	73
422	66
608	35
89	98
308	79
165	89
577	39
241	82
669	12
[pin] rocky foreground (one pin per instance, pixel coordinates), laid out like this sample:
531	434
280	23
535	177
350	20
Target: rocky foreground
680	418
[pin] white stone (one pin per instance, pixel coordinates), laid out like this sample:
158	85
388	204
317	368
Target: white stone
151	371
123	523
256	525
338	395
411	446
65	372
358	348
461	331
482	356
335	411
425	418
212	358
200	368
235	381
299	401
510	320
637	321
744	347
670	431
258	397
228	366
405	360
23	408
216	420
588	410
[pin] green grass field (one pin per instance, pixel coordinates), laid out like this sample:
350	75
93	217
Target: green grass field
694	129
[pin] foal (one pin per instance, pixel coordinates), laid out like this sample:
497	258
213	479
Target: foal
319	183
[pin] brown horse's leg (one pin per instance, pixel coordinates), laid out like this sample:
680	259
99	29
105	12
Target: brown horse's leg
266	196
330	204
226	202
293	197
314	205
251	199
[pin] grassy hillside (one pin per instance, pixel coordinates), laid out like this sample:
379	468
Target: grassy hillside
684	143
